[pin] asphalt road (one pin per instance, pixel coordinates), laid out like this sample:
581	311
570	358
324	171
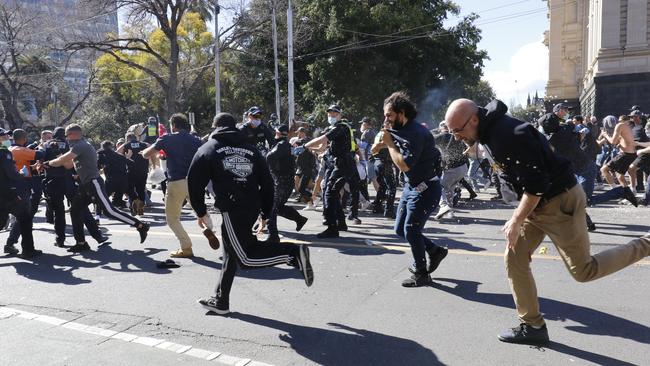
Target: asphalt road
113	306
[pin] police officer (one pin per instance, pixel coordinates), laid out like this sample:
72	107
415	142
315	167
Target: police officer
305	166
282	165
138	173
14	199
256	132
58	185
413	150
150	133
83	157
116	168
341	146
243	187
383	166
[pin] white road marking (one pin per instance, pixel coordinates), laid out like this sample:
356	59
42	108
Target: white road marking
154	343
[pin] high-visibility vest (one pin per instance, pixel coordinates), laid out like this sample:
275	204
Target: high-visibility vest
353	142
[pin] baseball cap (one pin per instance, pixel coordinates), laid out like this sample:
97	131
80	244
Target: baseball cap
254	110
302	129
557	107
334	108
635	112
4	132
283	129
635	108
152	120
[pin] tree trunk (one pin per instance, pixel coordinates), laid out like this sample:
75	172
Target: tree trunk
172	83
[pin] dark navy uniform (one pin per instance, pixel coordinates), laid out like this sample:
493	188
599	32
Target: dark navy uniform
243	189
383	165
260	136
116	167
140	170
282	165
58	185
14	199
306	169
341	149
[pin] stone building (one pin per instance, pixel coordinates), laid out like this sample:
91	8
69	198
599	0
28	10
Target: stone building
599	54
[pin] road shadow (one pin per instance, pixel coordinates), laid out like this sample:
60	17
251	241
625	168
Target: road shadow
266	273
346	345
592	321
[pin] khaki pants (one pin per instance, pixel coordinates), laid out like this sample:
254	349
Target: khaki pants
563	220
176	194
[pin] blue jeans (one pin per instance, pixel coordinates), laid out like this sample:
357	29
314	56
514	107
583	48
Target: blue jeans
587	180
412	214
615	193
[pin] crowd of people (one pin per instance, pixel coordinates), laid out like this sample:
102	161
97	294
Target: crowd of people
252	169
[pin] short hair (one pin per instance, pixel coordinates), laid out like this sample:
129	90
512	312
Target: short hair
130	135
106	145
223	120
401	102
73	128
19	134
180	121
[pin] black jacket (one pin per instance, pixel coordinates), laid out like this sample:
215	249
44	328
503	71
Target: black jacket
116	166
52	150
240	176
12	184
281	161
258	136
523	153
566	143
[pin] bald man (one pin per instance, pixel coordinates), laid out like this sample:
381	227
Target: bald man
552	203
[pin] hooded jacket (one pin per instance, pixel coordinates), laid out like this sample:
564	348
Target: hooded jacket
523	153
240	176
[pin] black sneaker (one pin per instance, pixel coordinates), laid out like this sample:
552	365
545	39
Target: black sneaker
418	279
630	196
525	334
31	254
59	243
342	226
591	227
330	232
435	257
143	232
79	247
101	239
300	223
213	304
305	265
11	249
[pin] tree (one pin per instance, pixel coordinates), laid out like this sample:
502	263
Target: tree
158	54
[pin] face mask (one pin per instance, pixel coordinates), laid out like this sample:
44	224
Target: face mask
332	120
6	143
256	122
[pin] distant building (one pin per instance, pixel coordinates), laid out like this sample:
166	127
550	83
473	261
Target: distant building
65	21
599	54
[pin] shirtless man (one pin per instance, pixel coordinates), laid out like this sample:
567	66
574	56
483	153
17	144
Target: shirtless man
625	140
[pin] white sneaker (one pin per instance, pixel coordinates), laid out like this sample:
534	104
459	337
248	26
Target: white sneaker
316	202
309	207
444	210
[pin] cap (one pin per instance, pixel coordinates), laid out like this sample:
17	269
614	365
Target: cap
365	120
283	129
635	108
59	133
549	122
557	107
302	129
152	120
635	112
4	132
254	111
334	108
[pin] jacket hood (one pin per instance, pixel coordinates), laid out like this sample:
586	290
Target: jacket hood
228	135
489	115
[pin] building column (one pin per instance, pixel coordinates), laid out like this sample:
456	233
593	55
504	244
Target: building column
611	24
637	23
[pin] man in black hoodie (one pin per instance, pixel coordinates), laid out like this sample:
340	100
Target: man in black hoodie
243	188
552	204
282	165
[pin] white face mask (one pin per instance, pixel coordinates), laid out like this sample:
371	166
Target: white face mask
6	143
332	120
256	122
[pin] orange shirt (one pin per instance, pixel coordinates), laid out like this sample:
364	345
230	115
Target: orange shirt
23	157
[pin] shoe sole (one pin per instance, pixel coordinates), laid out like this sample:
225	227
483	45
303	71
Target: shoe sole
212	239
214	310
531	343
305	266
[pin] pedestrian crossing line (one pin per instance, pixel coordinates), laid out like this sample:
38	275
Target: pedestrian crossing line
378	245
153	343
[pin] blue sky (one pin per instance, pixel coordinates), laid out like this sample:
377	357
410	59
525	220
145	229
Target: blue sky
512	35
